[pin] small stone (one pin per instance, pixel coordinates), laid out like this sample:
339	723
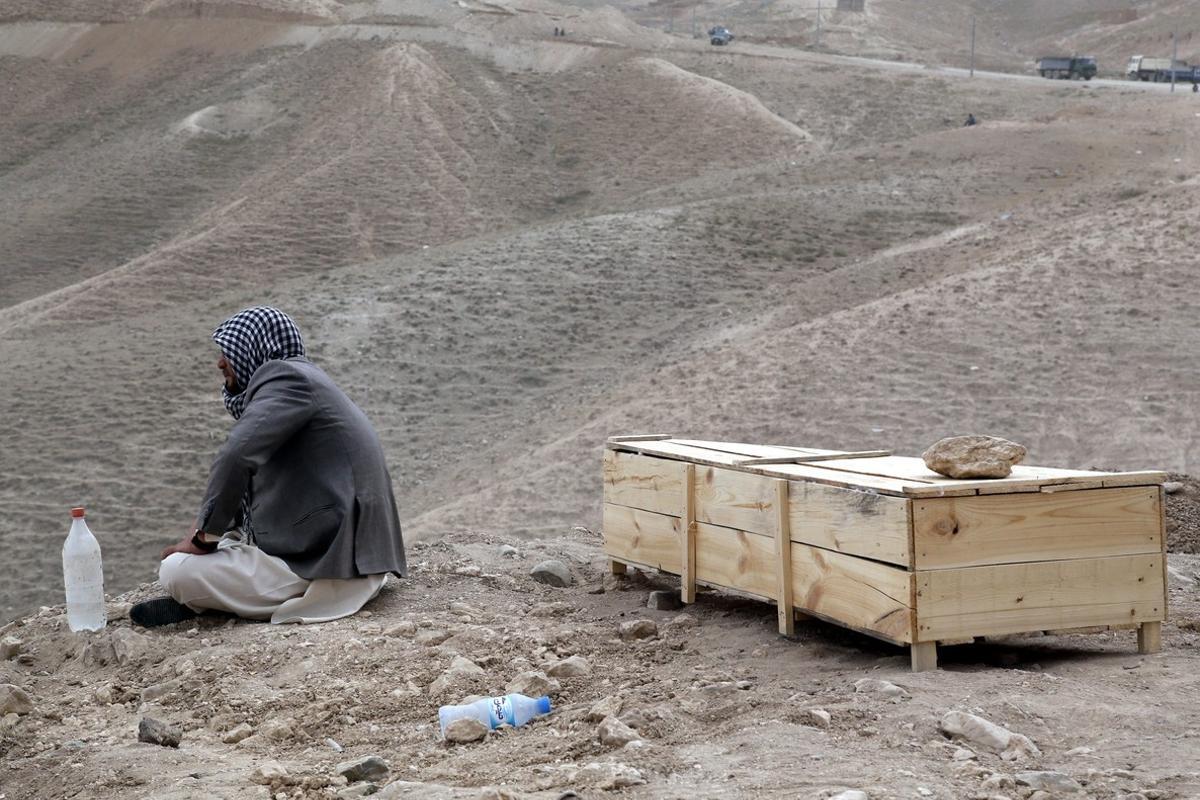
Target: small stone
500	793
469	571
268	772
571	667
608	776
333	745
356	791
973	456
14	700
461	671
405	628
638	629
160	690
664	601
117	610
882	688
1079	751
555	609
850	794
1171	487
367	768
10	647
279	730
533	683
1048	781
552	573
463	609
605	707
963	754
235	735
432	636
464	730
997	782
465	666
153	731
104	694
614	733
988	735
820	718
681	622
508	551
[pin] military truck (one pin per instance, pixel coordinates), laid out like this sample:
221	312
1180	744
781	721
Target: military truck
720	35
1141	68
1068	68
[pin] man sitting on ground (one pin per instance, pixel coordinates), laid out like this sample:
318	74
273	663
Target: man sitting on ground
298	523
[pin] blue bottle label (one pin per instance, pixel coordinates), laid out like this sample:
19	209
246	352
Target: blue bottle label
501	711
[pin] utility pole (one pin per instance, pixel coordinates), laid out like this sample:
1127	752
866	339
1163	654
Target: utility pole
972	45
1174	55
818	23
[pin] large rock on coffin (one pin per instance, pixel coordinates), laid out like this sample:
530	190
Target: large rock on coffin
973	457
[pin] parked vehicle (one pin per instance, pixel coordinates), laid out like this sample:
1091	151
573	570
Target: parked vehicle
1180	74
720	35
1068	68
1141	68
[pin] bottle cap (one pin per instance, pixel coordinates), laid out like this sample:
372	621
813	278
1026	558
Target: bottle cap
543	705
77	513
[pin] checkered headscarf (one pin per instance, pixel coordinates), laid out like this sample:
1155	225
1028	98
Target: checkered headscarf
248	340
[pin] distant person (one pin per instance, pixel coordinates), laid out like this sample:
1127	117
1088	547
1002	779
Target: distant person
556	31
971	121
298	522
1195	88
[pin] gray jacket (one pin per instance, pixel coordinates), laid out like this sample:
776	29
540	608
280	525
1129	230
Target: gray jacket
322	497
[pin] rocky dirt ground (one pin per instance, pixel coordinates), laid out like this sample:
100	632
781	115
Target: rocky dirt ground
711	701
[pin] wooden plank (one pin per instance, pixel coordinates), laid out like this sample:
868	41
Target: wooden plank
687	539
618	567
755	450
1012	598
855	592
800	458
642	437
1150	637
859	593
735	559
635	536
1149	478
735	499
679	452
783	552
651	484
850	521
1004	529
676	451
847	480
923	656
1018	483
1072	487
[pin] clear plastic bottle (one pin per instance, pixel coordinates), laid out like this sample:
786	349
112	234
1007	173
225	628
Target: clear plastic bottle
510	709
83	577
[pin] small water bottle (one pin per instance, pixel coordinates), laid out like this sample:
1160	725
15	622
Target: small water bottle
83	577
511	709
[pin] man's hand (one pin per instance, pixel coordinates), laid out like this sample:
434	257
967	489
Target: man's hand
184	546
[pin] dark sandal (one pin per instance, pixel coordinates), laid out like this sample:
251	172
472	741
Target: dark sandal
160	611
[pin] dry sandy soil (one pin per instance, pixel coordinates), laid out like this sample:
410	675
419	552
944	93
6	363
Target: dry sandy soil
507	246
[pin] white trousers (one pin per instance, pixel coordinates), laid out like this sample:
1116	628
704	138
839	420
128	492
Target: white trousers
243	580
